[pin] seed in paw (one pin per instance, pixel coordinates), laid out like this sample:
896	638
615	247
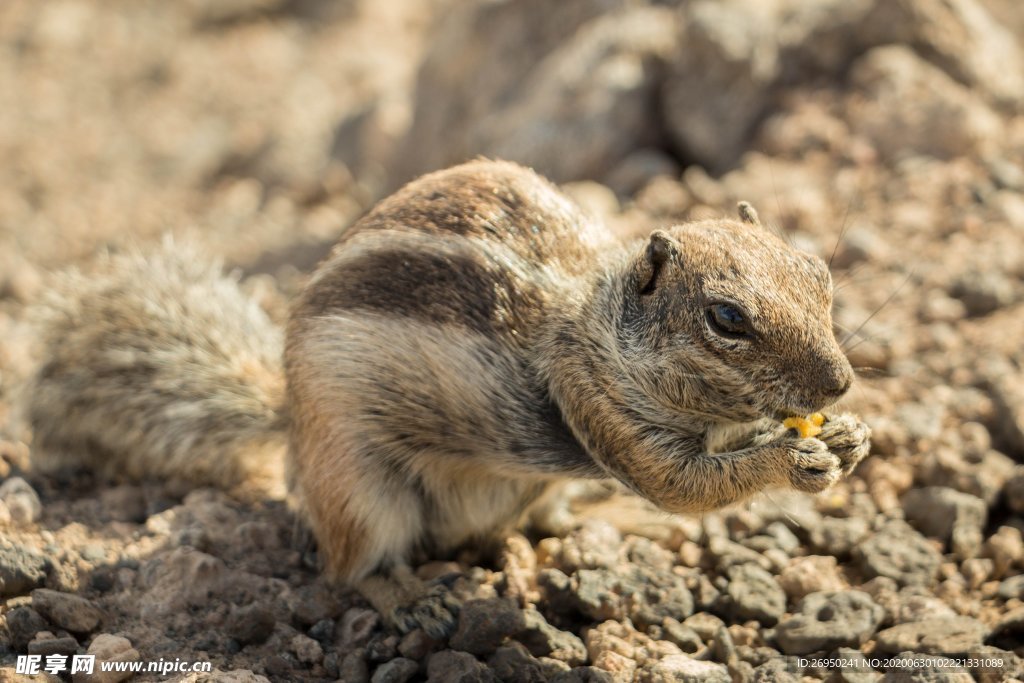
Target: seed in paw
806	427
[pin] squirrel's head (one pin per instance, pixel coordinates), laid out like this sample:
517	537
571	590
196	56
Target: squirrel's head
726	319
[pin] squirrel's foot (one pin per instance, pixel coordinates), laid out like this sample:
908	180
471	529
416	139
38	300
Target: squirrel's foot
436	612
814	468
848	438
407	603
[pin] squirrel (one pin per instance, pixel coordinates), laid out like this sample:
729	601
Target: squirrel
468	346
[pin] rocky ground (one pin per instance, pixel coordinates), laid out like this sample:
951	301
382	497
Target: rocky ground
884	135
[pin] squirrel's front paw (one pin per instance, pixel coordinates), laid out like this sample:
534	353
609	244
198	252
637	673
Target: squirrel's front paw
814	468
847	437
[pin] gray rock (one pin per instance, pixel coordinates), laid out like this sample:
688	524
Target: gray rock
860	670
887	78
382	648
688	640
353	668
544	640
825	621
307	650
598	593
1012	587
21	500
722	81
983	292
948	515
315	602
1014	491
794	509
838	536
914	603
962	38
595	545
52	645
705	595
723	648
957	635
755	594
775	670
656	595
357	625
512	663
180	579
69	612
584	674
1010	628
650	555
332	665
569	91
485	624
898	552
983	474
107	647
704	625
416	644
683	669
21	570
996	664
785	540
728	553
24	623
250	625
449	666
398	670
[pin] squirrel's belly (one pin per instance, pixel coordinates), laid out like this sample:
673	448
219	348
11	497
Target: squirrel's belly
408	434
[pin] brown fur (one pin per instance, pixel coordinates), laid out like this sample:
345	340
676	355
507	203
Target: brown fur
471	343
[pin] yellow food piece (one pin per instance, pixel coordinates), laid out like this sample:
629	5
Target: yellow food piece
806	426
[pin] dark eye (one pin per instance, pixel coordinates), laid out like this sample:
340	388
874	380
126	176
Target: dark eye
728	321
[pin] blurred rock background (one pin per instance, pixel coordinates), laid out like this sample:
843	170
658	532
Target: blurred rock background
884	135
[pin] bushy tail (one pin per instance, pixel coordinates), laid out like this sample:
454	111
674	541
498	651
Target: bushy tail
158	366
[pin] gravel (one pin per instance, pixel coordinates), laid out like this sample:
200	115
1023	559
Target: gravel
885	131
949	515
21	570
69	612
955	635
754	594
898	552
825	621
485	624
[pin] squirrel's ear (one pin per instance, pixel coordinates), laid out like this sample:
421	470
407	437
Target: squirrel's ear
747	213
660	249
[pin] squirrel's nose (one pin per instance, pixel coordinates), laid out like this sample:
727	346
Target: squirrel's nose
840	383
843	386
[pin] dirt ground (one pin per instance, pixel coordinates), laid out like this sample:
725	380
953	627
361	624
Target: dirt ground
886	136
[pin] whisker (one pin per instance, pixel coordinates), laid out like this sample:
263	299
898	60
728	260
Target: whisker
885	303
870	372
842	231
851	273
863	338
779	229
846	282
776	503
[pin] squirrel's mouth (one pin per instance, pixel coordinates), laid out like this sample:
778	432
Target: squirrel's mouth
786	413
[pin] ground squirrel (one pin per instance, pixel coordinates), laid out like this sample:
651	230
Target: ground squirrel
470	343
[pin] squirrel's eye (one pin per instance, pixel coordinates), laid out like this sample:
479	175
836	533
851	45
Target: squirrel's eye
728	321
